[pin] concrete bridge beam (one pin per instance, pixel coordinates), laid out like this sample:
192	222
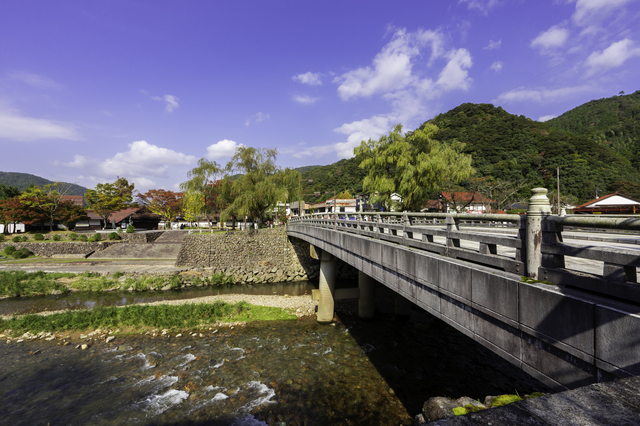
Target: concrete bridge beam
327	287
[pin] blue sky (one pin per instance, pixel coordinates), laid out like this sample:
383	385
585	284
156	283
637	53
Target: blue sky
92	90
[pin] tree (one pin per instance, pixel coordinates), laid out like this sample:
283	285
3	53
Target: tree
413	166
202	186
8	191
107	198
192	203
167	204
69	213
15	210
262	184
344	195
46	199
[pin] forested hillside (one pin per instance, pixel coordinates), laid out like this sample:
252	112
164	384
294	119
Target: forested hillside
613	122
345	175
516	148
23	180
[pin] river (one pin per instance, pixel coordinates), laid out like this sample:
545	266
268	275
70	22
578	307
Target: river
291	373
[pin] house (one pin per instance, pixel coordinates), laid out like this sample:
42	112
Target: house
460	202
77	200
340	205
139	217
615	203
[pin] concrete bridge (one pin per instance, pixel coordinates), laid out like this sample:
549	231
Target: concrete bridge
509	286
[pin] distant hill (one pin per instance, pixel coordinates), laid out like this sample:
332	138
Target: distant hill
612	122
340	176
512	147
23	180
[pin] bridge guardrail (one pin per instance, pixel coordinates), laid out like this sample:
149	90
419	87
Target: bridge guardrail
536	250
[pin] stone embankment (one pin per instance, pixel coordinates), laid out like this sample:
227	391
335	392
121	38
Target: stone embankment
58	248
265	256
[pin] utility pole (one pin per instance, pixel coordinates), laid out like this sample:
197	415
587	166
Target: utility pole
558	187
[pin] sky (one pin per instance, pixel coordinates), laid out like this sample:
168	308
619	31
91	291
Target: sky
93	90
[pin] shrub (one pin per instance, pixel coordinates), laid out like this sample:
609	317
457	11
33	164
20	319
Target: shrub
1	238
24	238
9	250
114	236
82	238
16	239
38	237
130	229
96	237
73	236
22	253
56	237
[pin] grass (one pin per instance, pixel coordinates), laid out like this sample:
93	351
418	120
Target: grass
189	316
20	283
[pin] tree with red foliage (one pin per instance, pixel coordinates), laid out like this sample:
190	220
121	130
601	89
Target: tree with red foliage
162	202
15	210
69	213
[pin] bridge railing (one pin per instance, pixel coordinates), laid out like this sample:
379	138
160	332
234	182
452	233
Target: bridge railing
436	233
536	250
619	276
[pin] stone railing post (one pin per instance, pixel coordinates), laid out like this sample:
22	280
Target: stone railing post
538	209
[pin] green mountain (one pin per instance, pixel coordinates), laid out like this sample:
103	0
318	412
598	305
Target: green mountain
612	122
511	147
23	180
320	183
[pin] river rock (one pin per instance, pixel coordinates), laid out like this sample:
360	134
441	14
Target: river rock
438	408
56	292
110	338
465	400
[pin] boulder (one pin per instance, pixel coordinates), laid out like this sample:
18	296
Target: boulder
438	408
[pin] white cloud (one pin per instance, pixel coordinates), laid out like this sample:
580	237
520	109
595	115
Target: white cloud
304	99
222	149
496	66
35	80
172	102
455	75
142	183
392	67
79	162
20	128
260	116
144	159
613	56
539	95
554	37
357	131
493	45
546	118
312	79
482	5
589	12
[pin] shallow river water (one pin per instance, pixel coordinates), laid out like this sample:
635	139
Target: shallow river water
292	372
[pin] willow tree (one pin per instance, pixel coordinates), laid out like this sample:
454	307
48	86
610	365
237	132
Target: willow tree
413	166
204	186
262	183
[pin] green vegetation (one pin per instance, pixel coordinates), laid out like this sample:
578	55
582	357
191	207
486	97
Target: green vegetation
158	316
95	237
38	237
18	283
415	166
11	251
319	182
82	238
56	237
73	236
114	236
514	148
23	180
504	400
107	198
130	229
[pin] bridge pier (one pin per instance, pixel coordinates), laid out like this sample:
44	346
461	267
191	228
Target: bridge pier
366	302
327	287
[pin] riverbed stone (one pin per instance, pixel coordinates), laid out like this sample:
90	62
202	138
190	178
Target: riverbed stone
438	408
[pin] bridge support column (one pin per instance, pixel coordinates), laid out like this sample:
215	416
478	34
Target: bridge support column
402	308
538	208
366	303
327	287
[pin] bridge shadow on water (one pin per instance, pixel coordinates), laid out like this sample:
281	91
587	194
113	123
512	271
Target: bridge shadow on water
420	357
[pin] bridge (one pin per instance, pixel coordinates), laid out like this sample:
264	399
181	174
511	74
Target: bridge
565	312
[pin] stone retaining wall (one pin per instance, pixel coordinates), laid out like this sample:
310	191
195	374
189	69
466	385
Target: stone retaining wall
267	256
50	249
140	237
